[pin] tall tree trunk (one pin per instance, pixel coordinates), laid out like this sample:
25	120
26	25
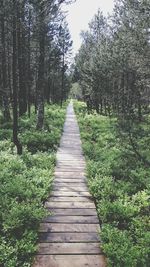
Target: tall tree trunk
14	69
21	60
62	79
40	85
139	107
6	110
29	69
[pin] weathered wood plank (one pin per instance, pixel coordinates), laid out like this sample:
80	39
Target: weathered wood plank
73	212
70	260
69	174
70	193
69	188
71	219
70	199
72	152
73	227
71	164
68	237
75	185
73	169
69	248
71	205
70	161
69	158
69	180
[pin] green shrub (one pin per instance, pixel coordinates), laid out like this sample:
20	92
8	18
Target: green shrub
121	250
120	184
40	140
5	134
26	182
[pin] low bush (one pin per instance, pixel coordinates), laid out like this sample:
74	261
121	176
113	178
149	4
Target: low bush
120	184
26	182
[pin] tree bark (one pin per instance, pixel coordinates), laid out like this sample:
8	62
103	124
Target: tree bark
21	60
14	68
29	69
40	85
62	80
6	111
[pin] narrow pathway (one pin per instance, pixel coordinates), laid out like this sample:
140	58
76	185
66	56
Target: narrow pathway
69	237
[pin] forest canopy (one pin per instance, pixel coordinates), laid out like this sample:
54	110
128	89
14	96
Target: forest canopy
35	44
112	65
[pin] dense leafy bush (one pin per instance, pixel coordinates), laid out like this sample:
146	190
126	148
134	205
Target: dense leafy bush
120	184
40	140
26	182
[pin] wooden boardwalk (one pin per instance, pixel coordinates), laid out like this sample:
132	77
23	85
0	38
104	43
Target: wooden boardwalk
69	238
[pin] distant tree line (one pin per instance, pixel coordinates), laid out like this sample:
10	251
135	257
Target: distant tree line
113	66
34	48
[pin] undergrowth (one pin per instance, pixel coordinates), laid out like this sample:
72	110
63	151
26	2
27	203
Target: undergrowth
26	182
120	184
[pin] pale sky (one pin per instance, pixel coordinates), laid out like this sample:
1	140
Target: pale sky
80	14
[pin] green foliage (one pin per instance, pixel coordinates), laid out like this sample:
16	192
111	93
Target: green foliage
75	91
48	139
26	182
120	184
112	66
40	140
122	251
5	134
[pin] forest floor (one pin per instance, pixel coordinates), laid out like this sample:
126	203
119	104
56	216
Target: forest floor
26	182
120	183
70	236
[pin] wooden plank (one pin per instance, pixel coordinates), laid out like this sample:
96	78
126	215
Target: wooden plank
70	180
71	151
67	157
68	237
66	152
73	212
75	148
69	249
69	161
71	141
67	164
69	189
73	227
71	205
73	169
70	184
70	193
73	154
76	177
71	199
70	167
69	174
71	219
70	260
